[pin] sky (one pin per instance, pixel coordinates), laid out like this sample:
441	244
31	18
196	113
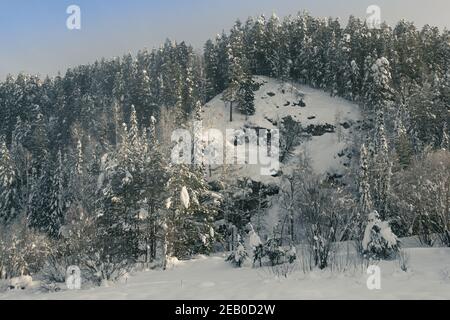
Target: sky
34	37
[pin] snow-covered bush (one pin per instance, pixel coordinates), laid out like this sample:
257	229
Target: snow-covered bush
64	253
274	251
326	216
283	270
256	246
291	254
22	251
54	271
258	255
238	256
102	270
421	197
379	241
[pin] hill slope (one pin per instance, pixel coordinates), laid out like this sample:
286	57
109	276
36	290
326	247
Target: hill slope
330	122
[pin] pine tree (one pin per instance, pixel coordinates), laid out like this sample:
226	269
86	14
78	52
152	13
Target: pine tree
276	48
239	255
117	218
379	241
381	169
133	139
9	200
211	69
57	201
153	179
236	66
403	146
378	85
246	96
365	200
189	216
39	144
48	198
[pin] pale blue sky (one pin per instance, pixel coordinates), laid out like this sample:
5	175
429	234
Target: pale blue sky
34	37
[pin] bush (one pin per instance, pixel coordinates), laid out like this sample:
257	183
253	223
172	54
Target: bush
379	241
273	251
283	269
403	260
238	256
421	197
22	251
258	254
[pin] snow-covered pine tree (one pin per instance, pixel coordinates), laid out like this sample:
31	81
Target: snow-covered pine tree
121	190
236	67
365	199
330	81
403	145
277	48
152	179
9	200
246	96
48	200
189	216
256	246
301	43
379	241
258	55
57	195
239	255
381	171
347	69
143	96
211	69
378	88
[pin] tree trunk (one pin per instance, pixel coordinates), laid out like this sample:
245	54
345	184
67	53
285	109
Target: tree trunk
231	111
292	228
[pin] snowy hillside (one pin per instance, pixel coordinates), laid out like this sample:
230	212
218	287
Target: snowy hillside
330	121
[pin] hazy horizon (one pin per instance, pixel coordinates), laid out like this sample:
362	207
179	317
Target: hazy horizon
35	38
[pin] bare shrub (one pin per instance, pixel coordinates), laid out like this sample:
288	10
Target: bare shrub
326	213
422	197
305	259
283	270
403	260
22	251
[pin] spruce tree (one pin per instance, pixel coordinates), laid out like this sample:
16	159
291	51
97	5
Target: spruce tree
365	199
9	201
381	169
246	96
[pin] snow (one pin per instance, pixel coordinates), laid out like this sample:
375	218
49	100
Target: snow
184	197
387	234
270	108
213	278
21	283
240	252
385	231
168	203
254	240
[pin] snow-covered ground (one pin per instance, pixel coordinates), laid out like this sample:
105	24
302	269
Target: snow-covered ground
428	277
